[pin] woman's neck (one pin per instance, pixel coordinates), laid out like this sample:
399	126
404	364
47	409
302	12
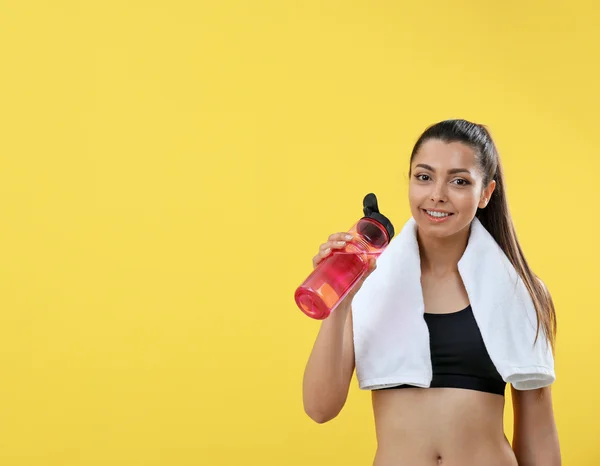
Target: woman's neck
440	256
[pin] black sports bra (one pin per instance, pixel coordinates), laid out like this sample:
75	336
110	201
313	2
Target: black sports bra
458	355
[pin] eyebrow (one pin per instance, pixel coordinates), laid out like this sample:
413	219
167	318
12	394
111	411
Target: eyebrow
452	171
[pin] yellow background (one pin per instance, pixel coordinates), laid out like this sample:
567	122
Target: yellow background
169	168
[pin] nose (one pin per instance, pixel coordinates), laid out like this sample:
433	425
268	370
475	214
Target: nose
438	193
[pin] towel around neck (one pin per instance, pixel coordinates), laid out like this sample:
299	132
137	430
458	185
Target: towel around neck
391	338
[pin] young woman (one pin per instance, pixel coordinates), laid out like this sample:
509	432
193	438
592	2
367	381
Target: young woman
455	177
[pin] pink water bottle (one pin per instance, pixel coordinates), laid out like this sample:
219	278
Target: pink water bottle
334	277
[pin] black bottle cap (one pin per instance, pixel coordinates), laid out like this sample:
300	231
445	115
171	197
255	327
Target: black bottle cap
371	210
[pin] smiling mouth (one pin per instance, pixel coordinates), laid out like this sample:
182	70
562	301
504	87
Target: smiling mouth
437	216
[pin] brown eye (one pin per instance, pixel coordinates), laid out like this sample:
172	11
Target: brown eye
422	177
461	182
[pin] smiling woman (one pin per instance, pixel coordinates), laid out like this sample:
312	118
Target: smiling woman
456	182
437	214
447	182
458	147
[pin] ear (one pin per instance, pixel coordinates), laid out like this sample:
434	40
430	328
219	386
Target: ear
486	194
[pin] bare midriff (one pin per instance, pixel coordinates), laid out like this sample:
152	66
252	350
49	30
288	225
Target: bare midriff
440	426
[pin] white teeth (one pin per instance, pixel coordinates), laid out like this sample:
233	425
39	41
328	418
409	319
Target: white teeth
437	214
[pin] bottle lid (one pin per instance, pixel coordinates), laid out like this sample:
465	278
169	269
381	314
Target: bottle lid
371	210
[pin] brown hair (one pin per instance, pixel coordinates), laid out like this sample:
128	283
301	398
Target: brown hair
496	216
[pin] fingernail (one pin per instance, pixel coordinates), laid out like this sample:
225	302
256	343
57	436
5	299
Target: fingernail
327	251
348	237
341	243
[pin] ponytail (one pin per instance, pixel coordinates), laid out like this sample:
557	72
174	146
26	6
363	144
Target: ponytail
495	217
498	222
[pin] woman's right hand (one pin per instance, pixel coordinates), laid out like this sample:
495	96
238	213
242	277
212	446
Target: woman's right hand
339	241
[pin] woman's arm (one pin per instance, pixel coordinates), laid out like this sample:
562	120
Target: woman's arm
535	440
330	367
331	363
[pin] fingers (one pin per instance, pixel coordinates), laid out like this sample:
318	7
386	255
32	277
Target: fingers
332	245
324	251
335	241
343	236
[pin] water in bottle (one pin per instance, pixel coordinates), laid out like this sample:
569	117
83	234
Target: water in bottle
334	277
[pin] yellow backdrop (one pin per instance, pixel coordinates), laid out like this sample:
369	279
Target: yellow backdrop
169	169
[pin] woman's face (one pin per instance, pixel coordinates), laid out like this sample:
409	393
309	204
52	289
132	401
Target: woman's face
446	188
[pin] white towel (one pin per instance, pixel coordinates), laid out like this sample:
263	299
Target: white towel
391	337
